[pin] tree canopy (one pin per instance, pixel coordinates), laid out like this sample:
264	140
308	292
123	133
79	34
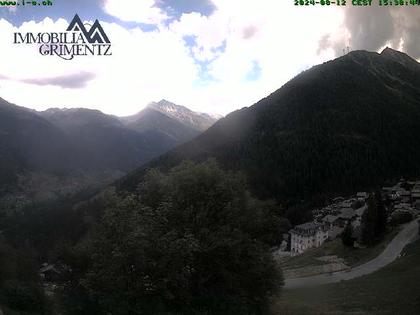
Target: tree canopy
192	241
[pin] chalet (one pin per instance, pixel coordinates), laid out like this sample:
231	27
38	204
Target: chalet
330	221
362	196
345	216
347	203
49	272
306	236
359	212
405	195
334	232
415	195
54	272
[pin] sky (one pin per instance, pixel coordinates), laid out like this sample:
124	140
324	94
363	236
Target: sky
212	56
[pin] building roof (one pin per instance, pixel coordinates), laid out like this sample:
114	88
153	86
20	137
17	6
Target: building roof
48	268
346	204
335	231
330	218
387	188
360	211
347	213
308	228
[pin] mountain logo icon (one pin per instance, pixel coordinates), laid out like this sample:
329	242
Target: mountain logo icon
80	39
95	35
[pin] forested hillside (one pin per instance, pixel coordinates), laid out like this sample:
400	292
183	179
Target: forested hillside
341	126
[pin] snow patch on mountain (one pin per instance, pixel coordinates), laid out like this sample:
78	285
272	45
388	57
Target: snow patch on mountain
199	121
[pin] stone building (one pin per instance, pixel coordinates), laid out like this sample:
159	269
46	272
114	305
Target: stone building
306	236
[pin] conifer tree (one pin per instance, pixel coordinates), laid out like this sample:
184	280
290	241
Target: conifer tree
347	237
382	215
369	222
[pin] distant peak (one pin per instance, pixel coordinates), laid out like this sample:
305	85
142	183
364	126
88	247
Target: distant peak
167	107
387	50
397	56
163	101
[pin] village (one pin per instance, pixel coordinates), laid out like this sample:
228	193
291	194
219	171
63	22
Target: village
402	202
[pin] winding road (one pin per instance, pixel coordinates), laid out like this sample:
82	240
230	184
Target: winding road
408	234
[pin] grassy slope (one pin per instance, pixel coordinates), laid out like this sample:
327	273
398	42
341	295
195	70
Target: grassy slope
394	289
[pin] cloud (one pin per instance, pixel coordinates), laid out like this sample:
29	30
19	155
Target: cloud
407	24
240	53
369	27
144	66
141	11
269	34
71	81
372	28
249	31
177	7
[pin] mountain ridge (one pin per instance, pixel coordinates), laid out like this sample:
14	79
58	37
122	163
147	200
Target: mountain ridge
343	125
189	118
77	140
179	123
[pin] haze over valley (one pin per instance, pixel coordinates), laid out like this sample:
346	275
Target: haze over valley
60	152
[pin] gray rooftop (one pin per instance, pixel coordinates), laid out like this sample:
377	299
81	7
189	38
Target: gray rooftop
347	213
308	228
330	218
